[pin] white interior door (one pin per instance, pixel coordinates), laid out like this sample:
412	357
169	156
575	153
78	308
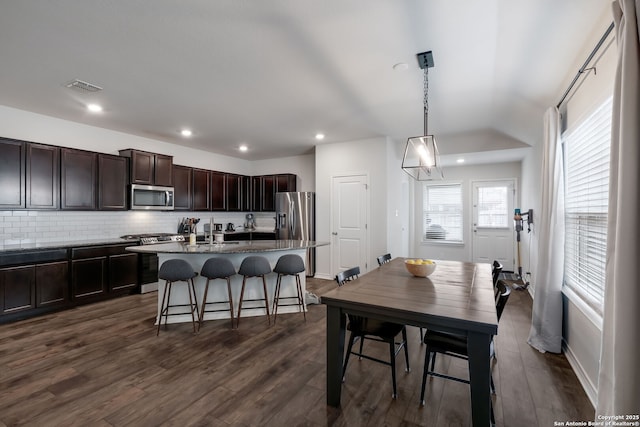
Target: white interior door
493	234
349	222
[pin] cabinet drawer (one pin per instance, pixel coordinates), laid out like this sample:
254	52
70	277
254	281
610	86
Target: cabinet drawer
32	257
98	251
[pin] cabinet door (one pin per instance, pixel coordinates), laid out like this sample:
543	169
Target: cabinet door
88	277
247	196
113	179
285	182
218	191
43	177
182	181
234	192
123	271
12	175
142	165
268	199
78	179
163	170
256	193
52	284
17	289
201	187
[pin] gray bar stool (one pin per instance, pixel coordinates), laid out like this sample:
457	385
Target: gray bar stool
289	265
217	268
254	266
177	270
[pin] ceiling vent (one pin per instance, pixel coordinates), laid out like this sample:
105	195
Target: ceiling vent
82	86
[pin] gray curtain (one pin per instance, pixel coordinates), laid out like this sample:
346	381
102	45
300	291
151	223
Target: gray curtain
546	318
619	376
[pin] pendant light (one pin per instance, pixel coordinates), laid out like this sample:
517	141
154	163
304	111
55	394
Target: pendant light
421	158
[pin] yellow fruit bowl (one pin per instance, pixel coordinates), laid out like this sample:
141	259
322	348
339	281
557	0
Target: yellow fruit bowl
420	267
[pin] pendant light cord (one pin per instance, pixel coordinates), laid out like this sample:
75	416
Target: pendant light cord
426	100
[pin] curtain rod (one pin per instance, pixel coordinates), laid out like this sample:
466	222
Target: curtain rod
584	66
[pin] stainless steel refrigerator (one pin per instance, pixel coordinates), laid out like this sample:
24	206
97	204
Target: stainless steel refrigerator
296	220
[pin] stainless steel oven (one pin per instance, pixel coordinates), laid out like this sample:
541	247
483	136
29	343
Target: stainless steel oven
148	263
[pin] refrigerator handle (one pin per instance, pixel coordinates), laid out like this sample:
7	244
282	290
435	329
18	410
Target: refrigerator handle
281	221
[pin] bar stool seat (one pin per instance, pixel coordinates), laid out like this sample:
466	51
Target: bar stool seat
217	268
175	271
289	265
254	266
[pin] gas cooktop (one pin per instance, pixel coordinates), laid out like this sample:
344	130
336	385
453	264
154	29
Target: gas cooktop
153	238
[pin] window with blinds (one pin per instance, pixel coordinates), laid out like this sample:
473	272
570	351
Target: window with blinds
442	213
586	157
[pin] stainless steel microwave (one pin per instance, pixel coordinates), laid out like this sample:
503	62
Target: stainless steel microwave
151	197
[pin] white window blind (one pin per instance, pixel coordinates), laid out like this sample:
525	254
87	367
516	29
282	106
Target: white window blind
442	207
586	157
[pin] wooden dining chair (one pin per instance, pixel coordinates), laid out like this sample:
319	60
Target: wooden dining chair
456	345
383	259
375	330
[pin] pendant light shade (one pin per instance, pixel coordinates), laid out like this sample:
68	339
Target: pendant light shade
421	159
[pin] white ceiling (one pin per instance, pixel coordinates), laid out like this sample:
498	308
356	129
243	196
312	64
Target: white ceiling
272	74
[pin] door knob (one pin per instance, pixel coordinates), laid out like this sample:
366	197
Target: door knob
334	233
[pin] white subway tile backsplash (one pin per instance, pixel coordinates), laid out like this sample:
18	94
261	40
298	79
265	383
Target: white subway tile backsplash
21	227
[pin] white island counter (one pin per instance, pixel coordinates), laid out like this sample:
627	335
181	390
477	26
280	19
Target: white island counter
198	254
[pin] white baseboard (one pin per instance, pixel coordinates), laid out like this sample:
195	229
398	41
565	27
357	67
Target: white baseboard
587	385
323	276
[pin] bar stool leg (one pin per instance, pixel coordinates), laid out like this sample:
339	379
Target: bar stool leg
266	299
276	298
204	304
244	281
230	300
191	305
164	297
301	297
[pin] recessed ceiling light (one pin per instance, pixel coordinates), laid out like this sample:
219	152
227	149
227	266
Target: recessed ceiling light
243	148
94	108
401	66
186	132
319	136
461	160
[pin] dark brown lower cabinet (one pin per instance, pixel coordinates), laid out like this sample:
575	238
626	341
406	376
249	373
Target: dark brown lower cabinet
33	288
17	289
123	272
101	272
52	284
88	278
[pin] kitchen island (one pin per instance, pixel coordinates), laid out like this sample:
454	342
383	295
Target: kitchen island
198	254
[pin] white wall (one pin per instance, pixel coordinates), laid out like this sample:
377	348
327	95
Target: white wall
464	175
302	166
366	157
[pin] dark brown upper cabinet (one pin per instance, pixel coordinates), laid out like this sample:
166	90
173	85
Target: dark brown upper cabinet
113	181
43	176
265	188
78	176
201	190
218	191
234	192
12	175
149	168
182	184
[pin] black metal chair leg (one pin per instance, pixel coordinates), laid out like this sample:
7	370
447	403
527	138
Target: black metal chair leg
346	359
392	353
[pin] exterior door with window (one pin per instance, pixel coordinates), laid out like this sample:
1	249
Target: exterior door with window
349	222
493	233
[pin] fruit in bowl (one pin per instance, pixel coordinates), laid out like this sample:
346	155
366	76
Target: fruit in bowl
420	267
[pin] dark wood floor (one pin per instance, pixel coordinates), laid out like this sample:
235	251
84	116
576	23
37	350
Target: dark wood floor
102	365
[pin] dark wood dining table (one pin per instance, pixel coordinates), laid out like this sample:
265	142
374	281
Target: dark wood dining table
457	297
